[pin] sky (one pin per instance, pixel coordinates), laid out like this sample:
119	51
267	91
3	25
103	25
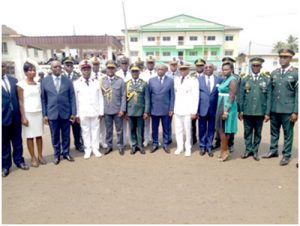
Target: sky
264	22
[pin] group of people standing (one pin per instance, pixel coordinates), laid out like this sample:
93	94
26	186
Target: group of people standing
135	99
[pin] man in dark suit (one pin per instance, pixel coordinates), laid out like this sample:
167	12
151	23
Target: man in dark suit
73	76
162	96
59	108
207	108
11	124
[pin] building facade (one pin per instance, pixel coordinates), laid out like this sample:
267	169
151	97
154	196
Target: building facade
184	36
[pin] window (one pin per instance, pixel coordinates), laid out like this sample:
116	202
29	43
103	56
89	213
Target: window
211	38
36	53
4	48
228	52
151	39
193	53
149	53
166	38
133	39
134	53
213	53
229	38
166	54
193	38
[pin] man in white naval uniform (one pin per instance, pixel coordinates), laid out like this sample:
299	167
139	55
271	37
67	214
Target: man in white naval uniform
125	74
97	75
90	107
185	107
146	75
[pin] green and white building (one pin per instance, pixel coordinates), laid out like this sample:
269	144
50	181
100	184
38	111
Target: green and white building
185	36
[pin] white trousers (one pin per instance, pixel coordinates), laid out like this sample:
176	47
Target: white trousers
90	134
102	131
183	125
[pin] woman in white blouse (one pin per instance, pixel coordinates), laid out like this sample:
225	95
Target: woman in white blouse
29	95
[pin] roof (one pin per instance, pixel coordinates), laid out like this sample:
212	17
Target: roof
7	31
183	22
74	41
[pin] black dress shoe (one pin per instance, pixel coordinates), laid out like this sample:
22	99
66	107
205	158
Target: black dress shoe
270	155
56	161
133	150
202	151
166	149
80	149
69	158
246	154
142	150
210	153
23	166
108	150
121	151
284	161
255	156
5	172
154	149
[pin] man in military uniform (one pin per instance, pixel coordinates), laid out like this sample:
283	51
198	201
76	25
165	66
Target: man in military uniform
231	138
97	75
125	74
254	106
173	69
138	108
140	64
76	129
146	75
284	105
199	63
113	89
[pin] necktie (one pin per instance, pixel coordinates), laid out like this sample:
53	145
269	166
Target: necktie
69	76
173	74
150	72
282	72
87	81
110	80
96	75
125	72
6	85
182	78
161	81
135	81
57	83
208	84
255	76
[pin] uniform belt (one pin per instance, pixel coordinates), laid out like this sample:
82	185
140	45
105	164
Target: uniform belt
224	94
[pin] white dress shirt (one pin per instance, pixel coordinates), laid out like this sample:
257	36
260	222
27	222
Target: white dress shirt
7	83
212	81
89	98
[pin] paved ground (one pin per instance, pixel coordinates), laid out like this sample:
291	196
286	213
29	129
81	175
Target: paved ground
155	188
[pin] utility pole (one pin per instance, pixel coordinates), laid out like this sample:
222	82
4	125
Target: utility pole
127	50
249	52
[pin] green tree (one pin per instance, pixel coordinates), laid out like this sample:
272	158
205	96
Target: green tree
278	46
292	43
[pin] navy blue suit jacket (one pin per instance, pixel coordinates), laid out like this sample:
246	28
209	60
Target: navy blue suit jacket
208	101
58	104
10	104
162	96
